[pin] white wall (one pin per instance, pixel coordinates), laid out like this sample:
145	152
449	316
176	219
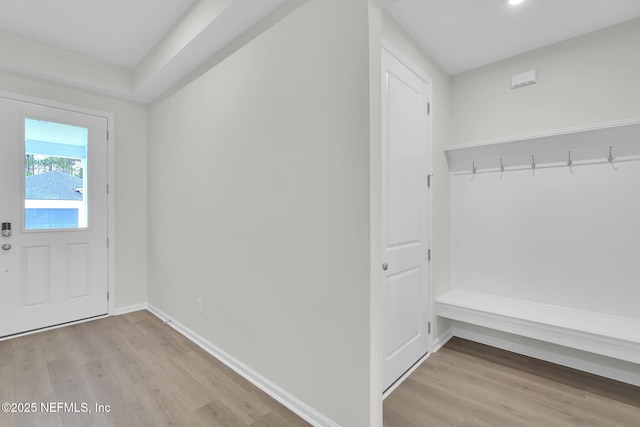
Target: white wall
41	60
568	240
559	238
259	205
590	79
130	177
397	37
375	226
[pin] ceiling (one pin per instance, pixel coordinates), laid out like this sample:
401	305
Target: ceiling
134	49
152	44
464	34
120	32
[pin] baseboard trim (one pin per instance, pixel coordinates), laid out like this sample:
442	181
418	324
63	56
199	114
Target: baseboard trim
442	340
577	359
294	404
404	376
130	309
52	327
435	346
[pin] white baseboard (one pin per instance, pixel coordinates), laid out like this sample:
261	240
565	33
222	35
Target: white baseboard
592	363
404	376
441	340
130	309
50	328
294	404
435	346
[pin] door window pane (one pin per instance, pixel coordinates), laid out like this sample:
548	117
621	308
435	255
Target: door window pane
55	170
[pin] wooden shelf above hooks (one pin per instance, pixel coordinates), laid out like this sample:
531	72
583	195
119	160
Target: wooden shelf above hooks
586	143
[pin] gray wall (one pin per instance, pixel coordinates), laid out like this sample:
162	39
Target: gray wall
259	205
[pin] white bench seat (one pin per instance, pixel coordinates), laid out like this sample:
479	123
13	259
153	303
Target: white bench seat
603	334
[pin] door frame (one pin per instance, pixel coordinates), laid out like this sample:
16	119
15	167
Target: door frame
402	58
110	178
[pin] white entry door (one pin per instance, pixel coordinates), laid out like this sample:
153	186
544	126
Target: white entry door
406	217
53	210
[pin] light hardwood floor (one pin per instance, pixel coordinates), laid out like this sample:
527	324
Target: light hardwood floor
147	373
470	384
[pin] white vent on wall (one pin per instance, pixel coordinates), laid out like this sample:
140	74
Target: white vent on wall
523	79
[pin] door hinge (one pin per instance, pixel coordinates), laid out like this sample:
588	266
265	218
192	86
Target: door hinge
107	188
429	180
429	328
429	255
107	242
108	300
107	135
428	108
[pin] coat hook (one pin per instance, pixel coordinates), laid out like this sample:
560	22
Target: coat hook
473	167
501	166
533	162
569	162
610	158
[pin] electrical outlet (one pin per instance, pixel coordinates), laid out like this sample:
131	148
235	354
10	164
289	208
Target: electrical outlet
199	309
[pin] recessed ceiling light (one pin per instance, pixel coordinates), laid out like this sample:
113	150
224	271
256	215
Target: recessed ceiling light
514	2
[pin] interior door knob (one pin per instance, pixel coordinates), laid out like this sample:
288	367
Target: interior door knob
6	247
385	266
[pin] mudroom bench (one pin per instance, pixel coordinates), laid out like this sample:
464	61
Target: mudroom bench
607	335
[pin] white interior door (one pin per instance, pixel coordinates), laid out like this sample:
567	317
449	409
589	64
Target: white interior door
406	217
53	197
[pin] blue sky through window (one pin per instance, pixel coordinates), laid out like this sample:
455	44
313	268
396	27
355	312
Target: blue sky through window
55	139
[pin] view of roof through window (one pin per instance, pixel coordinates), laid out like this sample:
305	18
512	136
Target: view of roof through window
55	175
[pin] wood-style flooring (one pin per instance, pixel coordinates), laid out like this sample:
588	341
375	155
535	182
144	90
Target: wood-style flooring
146	372
470	384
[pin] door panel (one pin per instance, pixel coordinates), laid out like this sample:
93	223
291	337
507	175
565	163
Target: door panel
406	325
53	191
35	277
78	270
406	210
